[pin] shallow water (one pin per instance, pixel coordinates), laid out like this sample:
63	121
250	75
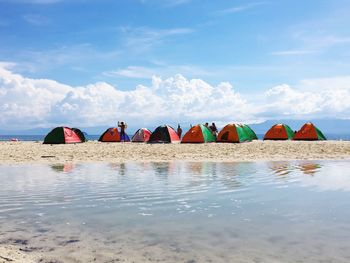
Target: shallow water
178	211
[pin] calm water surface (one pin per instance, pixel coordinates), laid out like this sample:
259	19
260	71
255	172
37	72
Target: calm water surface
178	211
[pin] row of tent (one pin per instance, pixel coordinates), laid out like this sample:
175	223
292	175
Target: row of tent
234	133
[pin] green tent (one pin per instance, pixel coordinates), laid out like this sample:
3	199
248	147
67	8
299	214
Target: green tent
320	135
251	134
233	133
198	134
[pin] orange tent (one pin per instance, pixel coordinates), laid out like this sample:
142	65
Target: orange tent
198	134
279	132
110	135
232	133
309	132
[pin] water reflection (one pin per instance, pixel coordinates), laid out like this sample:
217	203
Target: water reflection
282	169
65	168
216	209
309	168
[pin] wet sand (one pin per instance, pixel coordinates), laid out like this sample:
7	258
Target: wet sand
21	152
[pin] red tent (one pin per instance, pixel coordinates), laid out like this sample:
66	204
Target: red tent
164	134
110	135
62	135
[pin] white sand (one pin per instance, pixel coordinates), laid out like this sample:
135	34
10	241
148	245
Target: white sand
18	152
13	254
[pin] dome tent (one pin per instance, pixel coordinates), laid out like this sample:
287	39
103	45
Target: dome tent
110	135
62	135
309	132
142	135
198	134
80	134
249	131
279	132
164	134
233	133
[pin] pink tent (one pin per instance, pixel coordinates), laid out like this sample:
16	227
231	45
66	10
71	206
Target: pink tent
142	135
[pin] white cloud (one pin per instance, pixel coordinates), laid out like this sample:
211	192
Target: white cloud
293	52
161	69
327	97
29	103
132	72
141	38
241	8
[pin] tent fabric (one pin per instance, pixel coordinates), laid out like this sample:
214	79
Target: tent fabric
279	132
142	135
233	133
309	132
62	135
80	134
198	134
110	135
249	131
164	134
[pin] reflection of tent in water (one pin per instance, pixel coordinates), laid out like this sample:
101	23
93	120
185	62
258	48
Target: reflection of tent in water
281	168
163	168
284	168
207	169
121	168
66	168
309	168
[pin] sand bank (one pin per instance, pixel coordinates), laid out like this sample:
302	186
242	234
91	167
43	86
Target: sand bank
19	152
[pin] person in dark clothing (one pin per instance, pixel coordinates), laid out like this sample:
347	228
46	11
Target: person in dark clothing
179	131
213	129
122	125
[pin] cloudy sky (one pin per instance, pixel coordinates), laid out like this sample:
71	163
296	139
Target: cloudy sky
93	62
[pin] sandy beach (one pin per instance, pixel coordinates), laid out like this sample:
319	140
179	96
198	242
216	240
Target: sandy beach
20	152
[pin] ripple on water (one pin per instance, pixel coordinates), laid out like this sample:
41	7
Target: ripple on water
217	209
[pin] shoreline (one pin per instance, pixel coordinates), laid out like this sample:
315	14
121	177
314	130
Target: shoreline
93	151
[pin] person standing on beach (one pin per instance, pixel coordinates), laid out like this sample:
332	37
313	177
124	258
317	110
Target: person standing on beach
213	129
179	131
122	127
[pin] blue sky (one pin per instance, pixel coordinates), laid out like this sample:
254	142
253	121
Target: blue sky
253	45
